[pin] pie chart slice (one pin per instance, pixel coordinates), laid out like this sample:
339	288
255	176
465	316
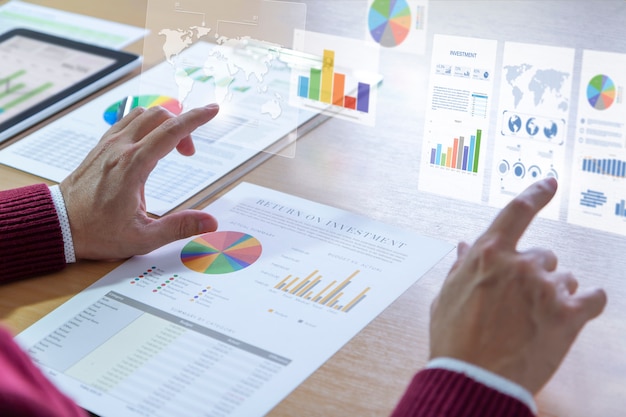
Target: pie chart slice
221	252
389	22
147	101
601	92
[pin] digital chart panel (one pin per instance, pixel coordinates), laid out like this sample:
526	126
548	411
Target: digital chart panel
398	24
221	252
533	110
456	130
598	170
336	76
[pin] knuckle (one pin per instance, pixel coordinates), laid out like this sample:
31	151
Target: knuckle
489	250
522	206
172	126
139	110
157	111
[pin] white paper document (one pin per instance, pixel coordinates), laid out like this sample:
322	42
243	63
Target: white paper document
253	116
87	29
228	323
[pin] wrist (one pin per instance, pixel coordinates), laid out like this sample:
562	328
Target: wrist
486	377
59	204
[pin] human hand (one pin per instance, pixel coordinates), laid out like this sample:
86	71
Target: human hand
104	196
511	312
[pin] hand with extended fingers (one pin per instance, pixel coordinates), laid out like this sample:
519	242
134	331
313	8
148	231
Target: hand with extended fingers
104	196
511	312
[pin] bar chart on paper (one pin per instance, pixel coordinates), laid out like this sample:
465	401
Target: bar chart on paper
328	292
462	154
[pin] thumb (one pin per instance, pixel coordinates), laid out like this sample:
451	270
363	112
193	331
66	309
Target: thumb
183	224
588	304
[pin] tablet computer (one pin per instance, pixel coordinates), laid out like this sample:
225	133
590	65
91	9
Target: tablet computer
41	74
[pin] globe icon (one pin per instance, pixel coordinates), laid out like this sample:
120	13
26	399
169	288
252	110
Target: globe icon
515	123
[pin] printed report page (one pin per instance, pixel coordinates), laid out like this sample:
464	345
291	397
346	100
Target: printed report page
228	323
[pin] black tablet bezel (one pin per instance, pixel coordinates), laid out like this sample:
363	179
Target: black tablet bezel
122	60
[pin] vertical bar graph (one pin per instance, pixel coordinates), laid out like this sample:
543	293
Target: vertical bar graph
339	83
314	84
458	156
327	86
620	208
329	294
606	166
328	65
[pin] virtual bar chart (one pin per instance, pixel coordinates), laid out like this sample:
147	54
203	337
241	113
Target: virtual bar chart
610	167
459	156
330	295
620	208
327	86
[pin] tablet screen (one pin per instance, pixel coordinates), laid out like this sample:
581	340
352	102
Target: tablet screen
33	70
41	74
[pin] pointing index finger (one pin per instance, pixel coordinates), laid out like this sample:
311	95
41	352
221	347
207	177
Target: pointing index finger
170	133
513	220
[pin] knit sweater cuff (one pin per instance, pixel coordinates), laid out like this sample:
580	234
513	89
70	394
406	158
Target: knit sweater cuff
440	392
31	241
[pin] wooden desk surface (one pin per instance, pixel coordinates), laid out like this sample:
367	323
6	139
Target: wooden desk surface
374	172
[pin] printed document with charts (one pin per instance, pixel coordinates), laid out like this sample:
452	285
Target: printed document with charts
228	323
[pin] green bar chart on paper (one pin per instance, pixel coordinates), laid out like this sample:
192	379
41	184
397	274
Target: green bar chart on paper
15	91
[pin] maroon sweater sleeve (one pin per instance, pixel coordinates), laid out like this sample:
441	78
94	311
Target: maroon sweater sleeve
24	390
31	241
443	393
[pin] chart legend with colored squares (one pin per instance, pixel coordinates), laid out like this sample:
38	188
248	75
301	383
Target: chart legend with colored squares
147	101
221	252
327	86
315	288
460	155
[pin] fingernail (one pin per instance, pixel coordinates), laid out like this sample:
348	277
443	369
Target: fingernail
551	181
208	224
213	106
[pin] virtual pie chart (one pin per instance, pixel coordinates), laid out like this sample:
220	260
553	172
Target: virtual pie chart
389	22
221	252
147	101
601	92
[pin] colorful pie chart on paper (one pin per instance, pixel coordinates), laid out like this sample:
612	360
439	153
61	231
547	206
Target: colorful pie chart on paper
221	252
601	92
389	22
173	105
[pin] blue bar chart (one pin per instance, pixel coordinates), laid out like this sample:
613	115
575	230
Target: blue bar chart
606	166
592	198
620	208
